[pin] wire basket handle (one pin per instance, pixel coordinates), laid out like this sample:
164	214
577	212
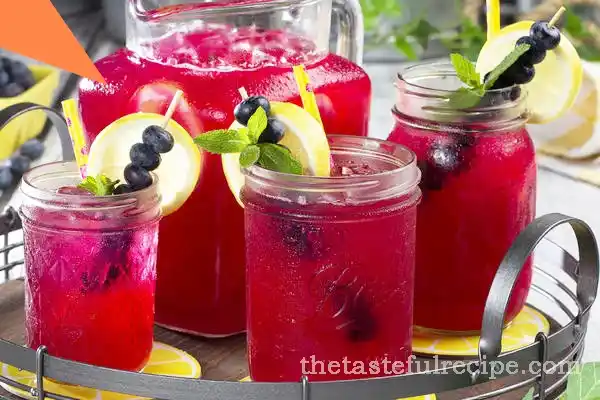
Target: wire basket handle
504	282
16	110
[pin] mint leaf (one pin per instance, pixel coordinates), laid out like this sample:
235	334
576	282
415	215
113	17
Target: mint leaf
465	70
584	382
245	131
464	98
405	47
421	32
249	156
100	185
257	124
529	395
509	60
278	158
222	141
89	184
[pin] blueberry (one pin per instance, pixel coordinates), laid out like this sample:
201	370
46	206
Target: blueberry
246	108
549	37
137	177
114	271
431	179
500	83
444	159
357	318
19	164
32	149
122	189
142	155
513	94
536	52
6	178
5	62
273	133
4	78
158	139
13	89
304	239
20	74
520	73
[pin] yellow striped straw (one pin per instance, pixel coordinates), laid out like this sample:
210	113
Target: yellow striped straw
493	18
71	113
309	102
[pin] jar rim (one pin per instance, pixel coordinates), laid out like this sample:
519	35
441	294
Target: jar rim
424	92
401	158
441	67
70	169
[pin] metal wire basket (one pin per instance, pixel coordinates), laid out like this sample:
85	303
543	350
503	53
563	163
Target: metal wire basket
564	290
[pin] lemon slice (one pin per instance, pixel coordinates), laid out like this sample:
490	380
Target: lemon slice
519	333
304	137
557	78
164	360
178	171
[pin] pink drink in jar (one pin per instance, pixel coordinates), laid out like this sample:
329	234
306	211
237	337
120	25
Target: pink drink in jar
209	53
331	264
90	269
478	184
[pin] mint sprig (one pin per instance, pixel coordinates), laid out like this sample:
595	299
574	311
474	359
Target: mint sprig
245	142
257	124
100	185
471	95
250	155
278	158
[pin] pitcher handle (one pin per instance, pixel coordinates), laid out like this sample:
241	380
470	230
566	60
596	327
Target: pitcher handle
16	110
350	38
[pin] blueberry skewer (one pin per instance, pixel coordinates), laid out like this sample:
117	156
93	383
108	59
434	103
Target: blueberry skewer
543	36
145	156
274	131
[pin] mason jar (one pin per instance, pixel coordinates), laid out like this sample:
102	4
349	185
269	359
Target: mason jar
90	269
330	264
478	184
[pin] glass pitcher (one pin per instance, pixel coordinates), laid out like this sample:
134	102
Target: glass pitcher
209	50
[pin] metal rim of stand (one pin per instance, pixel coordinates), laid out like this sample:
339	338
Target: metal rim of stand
564	345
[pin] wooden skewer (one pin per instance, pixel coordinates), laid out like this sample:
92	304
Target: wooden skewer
556	17
172	107
243	93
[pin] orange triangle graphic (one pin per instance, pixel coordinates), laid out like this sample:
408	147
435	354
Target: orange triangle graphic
33	28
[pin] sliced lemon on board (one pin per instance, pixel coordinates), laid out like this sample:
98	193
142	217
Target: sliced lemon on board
178	171
557	79
304	137
426	397
164	360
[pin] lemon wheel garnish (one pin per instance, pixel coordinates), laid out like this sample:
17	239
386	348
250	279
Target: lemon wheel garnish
178	171
557	79
164	360
519	333
426	397
304	137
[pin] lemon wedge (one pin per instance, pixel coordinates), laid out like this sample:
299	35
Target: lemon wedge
178	171
164	360
304	137
557	79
